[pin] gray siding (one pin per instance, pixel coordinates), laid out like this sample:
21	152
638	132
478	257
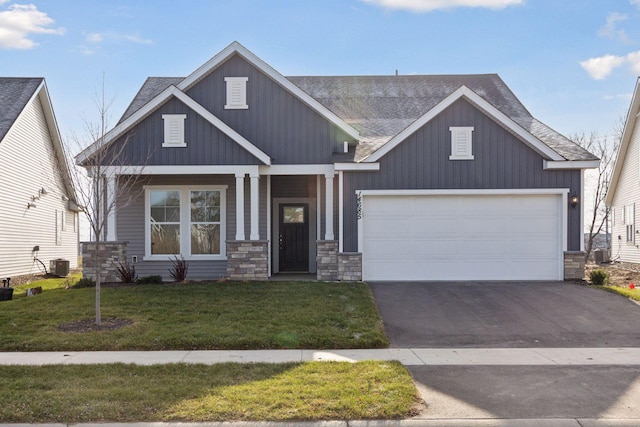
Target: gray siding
277	122
422	162
206	145
131	219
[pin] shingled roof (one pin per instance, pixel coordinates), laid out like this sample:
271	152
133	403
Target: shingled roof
380	107
15	93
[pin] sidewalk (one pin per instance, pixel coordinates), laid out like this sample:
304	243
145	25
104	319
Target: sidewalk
625	356
490	383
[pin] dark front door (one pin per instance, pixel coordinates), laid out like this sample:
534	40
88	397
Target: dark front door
294	237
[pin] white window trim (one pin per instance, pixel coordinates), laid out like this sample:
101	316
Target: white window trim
236	83
185	222
170	119
467	131
628	220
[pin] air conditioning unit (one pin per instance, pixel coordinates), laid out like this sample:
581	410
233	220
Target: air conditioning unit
59	267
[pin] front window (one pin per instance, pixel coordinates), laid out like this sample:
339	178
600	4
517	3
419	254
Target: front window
187	221
165	222
205	222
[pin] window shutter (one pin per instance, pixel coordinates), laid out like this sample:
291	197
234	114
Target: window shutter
174	130
236	93
461	143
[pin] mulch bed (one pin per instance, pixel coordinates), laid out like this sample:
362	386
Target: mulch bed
89	325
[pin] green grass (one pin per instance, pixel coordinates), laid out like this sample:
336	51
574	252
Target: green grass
47	284
230	315
224	392
633	294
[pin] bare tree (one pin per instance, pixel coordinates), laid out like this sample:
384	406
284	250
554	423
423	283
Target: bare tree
606	148
105	183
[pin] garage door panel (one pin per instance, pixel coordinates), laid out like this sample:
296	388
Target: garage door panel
462	237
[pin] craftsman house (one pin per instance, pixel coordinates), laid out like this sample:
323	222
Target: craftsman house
250	174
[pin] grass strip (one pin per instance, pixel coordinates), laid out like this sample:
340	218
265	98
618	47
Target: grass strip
224	392
199	316
633	294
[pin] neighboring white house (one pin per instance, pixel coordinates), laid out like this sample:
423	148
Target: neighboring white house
624	192
38	211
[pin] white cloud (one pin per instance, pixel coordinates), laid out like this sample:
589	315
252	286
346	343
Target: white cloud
634	61
430	5
19	22
601	67
94	38
610	28
111	36
635	3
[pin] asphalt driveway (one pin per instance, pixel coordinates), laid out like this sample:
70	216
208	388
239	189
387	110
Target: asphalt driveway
505	314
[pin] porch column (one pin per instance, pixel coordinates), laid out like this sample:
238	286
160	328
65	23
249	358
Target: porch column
110	187
328	226
255	205
240	206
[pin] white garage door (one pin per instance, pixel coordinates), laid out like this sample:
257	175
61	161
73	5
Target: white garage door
461	237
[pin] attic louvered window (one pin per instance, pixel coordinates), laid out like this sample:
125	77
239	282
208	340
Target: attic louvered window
461	143
236	93
174	130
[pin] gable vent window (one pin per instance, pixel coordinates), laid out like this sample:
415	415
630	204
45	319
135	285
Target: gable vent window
461	143
236	93
174	130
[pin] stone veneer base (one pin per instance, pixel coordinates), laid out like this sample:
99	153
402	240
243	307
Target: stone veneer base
111	253
247	259
574	265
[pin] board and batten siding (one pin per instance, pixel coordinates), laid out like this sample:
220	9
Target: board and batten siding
205	144
276	121
28	163
501	161
627	193
130	223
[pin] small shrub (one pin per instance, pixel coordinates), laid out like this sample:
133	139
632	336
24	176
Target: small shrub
179	268
599	277
85	282
126	272
149	280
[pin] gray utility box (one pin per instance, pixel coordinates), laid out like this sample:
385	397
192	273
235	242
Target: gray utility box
59	267
600	256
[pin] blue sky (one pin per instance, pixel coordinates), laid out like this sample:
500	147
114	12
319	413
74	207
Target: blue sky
573	63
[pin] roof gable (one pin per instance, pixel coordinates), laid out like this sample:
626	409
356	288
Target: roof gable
16	94
627	133
172	91
237	48
478	102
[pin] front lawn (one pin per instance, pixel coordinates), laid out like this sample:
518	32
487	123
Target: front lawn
226	315
224	392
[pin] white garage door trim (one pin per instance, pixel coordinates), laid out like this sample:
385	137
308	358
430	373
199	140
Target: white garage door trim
562	194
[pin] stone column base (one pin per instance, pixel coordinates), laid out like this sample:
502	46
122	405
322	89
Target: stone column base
327	260
247	259
574	265
111	253
350	266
